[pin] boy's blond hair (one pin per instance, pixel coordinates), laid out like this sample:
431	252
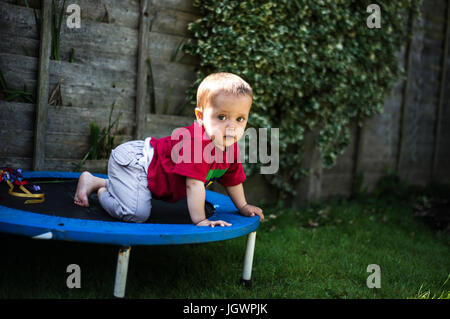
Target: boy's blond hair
222	82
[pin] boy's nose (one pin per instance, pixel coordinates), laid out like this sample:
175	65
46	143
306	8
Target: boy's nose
231	125
231	129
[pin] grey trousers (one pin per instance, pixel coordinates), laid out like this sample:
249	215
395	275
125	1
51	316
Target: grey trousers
127	197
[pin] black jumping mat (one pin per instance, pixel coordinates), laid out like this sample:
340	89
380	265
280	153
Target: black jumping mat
59	194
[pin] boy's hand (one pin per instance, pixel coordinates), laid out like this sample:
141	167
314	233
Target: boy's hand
212	223
250	211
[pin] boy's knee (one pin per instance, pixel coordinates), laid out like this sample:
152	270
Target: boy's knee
139	217
143	210
100	191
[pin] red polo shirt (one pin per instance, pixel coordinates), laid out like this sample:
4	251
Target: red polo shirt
189	152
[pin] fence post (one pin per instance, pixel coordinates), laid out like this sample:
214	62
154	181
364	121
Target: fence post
437	123
310	187
358	153
40	124
141	83
403	109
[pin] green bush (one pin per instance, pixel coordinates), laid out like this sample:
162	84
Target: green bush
313	64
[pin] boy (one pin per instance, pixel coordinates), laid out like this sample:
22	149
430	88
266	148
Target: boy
138	170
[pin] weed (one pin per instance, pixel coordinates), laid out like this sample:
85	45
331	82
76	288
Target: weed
102	141
57	19
10	94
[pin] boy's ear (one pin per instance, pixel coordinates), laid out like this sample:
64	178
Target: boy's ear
199	115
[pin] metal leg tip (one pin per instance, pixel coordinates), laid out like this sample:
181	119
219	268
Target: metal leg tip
246	283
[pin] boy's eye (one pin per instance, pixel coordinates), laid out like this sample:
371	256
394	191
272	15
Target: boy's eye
240	119
221	117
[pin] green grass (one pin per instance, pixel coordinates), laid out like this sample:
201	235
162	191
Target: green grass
319	251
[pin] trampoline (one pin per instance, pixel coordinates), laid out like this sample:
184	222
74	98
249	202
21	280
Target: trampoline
169	223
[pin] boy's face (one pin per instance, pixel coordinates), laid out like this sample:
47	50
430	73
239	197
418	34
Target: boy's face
225	121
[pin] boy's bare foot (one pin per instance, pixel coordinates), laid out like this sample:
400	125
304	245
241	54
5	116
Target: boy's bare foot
87	183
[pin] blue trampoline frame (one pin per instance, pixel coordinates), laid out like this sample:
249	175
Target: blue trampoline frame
40	226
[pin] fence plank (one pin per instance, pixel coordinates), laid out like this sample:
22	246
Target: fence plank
172	21
82	85
100	37
17	127
117	12
17	20
170	82
73	146
94	87
141	85
181	5
164	46
68	165
16	162
159	125
18	45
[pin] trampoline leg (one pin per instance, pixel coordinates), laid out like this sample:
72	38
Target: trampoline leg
121	272
248	260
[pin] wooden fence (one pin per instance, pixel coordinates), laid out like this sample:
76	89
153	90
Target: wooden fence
412	136
106	62
110	62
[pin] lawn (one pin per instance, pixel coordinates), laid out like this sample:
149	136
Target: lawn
321	250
